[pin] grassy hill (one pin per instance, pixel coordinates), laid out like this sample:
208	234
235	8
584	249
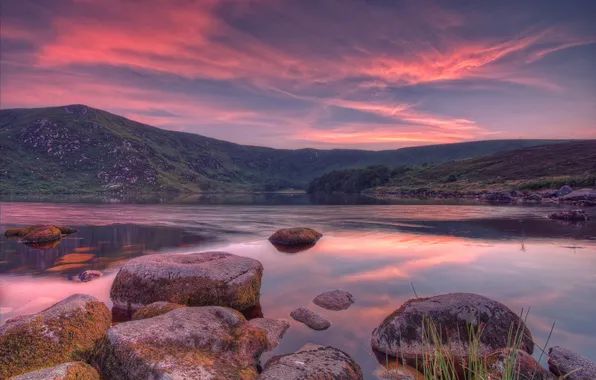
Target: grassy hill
78	149
531	168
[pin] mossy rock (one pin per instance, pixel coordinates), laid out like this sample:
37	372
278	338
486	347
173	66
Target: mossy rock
526	367
154	309
42	235
198	279
64	371
67	331
451	316
66	230
298	236
209	342
22	232
312	362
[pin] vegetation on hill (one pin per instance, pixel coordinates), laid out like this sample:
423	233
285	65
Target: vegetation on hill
531	168
78	149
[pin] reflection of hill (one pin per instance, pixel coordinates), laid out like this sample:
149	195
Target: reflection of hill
107	243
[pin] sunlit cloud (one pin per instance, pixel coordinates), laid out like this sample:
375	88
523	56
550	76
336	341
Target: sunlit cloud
380	60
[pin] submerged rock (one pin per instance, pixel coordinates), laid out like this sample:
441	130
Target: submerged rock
562	362
295	236
154	309
499	196
197	279
209	342
334	300
564	190
526	367
89	275
66	230
310	318
274	328
398	371
572	216
64	371
312	362
452	315
66	331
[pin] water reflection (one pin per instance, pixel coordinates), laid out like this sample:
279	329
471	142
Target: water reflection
512	254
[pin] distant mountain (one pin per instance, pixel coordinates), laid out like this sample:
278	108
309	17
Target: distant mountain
530	168
78	149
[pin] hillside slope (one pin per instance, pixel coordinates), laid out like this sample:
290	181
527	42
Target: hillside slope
538	167
74	149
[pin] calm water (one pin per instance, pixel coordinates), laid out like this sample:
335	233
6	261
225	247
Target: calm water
375	251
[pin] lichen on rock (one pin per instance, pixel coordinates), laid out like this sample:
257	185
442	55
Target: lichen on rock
66	331
198	279
64	371
154	309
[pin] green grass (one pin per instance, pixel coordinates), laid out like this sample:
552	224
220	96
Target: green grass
87	147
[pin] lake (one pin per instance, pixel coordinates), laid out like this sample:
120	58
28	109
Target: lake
381	252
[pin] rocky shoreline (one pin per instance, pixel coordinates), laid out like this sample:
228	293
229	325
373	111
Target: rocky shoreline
187	324
566	195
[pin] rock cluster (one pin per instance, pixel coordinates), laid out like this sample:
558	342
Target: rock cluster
571	216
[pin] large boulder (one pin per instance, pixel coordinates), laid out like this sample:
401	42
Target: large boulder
310	318
64	371
334	300
564	190
499	364
453	315
208	342
571	216
67	331
198	279
312	362
564	362
154	309
299	236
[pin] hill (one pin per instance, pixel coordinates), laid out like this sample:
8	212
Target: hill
531	168
77	149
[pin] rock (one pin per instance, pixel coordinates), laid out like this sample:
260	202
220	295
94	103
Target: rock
50	230
310	318
452	314
197	279
210	342
397	371
334	300
64	371
274	328
312	362
526	367
66	230
580	195
564	190
41	234
549	193
499	196
534	197
154	309
89	275
517	194
66	331
562	361
295	236
573	216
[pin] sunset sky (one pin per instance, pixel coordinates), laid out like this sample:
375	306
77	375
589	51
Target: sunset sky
367	74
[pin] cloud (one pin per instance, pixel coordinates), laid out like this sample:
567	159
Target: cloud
335	72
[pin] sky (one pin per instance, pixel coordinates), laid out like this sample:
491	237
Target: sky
367	74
